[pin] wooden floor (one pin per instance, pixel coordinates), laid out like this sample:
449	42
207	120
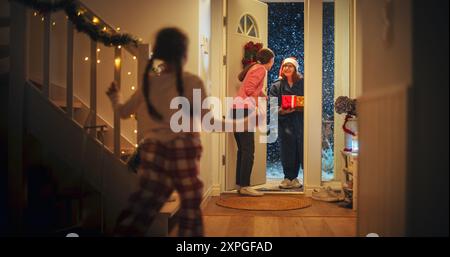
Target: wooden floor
320	220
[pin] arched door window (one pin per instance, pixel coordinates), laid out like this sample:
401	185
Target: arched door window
248	27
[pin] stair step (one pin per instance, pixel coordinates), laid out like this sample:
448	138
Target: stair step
163	223
127	151
5	22
4	51
171	207
63	104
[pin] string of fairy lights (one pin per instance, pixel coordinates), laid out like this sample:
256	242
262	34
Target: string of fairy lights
83	20
89	24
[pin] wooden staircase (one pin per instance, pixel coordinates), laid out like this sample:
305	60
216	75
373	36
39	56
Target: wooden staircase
112	188
104	131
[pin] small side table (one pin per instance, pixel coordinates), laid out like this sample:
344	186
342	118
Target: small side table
351	175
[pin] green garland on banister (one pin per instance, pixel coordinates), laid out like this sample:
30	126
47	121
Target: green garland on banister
98	32
83	21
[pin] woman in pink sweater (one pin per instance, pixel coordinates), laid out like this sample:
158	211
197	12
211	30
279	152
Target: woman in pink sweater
252	78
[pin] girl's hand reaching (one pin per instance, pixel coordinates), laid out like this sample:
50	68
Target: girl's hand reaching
113	89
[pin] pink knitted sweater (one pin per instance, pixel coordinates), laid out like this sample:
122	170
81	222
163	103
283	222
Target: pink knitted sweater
251	88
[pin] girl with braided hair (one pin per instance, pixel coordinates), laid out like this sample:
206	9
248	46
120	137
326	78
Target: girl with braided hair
168	160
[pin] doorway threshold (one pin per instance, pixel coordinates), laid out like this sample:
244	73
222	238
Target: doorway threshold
272	187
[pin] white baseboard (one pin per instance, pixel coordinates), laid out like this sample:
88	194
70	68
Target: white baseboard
213	190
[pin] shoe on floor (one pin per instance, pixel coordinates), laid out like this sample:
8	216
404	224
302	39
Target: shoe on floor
250	191
286	184
327	195
295	183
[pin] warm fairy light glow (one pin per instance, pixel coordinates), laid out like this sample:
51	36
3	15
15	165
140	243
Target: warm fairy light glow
54	23
129	73
104	28
98	49
133	88
119	46
86	58
95	20
135	131
118	28
35	13
134	57
98	61
117	62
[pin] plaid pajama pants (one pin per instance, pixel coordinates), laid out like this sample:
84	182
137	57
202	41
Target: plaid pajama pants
163	168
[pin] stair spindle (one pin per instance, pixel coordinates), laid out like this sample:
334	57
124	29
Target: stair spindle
93	94
117	79
69	92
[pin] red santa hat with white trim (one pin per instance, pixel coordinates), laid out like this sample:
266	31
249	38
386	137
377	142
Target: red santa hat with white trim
291	60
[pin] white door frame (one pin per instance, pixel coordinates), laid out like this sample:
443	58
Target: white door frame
313	93
218	74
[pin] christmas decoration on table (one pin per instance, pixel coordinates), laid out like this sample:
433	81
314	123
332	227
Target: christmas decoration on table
83	20
250	51
347	105
292	101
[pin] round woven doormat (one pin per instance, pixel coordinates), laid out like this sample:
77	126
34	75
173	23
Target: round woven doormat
265	203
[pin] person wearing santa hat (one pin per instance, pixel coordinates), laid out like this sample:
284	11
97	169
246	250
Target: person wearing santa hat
290	122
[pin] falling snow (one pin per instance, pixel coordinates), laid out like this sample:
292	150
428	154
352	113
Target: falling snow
286	39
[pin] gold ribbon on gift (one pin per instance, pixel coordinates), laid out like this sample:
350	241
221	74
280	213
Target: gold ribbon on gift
299	101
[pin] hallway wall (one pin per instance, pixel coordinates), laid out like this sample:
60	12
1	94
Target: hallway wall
144	18
387	59
386	34
404	189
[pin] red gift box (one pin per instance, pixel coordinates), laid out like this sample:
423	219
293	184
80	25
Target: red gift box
292	101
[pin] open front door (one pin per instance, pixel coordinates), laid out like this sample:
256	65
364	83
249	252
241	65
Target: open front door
247	20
